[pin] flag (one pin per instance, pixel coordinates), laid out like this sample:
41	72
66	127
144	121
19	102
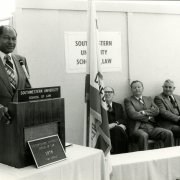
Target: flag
97	119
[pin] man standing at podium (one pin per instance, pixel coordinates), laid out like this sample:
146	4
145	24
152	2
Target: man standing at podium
13	70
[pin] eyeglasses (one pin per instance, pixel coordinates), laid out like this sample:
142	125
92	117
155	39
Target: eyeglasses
170	87
108	92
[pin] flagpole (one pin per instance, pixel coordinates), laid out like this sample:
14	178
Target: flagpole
87	83
97	119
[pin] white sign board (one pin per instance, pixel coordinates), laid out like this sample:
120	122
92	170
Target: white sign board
76	51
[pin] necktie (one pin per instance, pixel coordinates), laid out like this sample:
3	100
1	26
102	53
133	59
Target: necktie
173	102
171	99
10	71
110	109
140	100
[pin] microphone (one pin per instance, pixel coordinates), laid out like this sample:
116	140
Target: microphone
25	71
24	68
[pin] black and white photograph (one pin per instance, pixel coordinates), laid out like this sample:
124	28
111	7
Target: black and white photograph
89	90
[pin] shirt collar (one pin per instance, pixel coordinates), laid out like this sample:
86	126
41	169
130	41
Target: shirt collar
138	97
2	56
168	96
110	104
172	97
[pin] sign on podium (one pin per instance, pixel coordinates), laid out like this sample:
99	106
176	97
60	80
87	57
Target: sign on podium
47	150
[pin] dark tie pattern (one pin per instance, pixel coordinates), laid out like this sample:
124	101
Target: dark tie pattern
10	71
140	100
110	109
173	102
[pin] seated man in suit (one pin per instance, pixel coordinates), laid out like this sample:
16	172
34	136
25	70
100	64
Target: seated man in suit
119	139
141	111
169	108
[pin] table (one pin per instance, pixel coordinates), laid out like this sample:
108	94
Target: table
158	164
82	163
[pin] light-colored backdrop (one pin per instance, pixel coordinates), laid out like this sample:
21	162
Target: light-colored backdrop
150	48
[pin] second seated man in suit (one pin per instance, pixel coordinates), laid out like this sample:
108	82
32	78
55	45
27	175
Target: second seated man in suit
12	75
117	123
169	108
141	111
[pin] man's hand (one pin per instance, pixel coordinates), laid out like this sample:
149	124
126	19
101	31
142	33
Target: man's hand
2	110
143	112
4	116
123	126
112	125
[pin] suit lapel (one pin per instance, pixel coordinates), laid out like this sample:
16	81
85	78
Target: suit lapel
4	77
137	105
168	103
18	69
178	102
115	110
146	102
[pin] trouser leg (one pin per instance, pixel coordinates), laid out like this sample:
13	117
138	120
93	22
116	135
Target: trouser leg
142	139
119	140
165	135
176	131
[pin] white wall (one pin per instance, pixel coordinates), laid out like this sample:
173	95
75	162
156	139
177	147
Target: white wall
154	50
41	26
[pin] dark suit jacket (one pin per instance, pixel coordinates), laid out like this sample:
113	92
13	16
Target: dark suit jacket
133	108
119	139
117	114
6	92
167	115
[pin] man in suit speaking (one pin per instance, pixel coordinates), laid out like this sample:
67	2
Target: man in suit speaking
141	111
13	70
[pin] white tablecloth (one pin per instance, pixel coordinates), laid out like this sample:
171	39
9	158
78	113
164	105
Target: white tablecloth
82	163
159	164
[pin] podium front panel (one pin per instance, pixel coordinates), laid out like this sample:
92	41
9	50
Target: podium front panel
30	120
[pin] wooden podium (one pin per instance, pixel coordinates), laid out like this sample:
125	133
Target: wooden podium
30	120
